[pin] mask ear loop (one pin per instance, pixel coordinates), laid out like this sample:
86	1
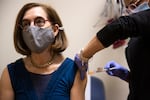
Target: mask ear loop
58	28
61	28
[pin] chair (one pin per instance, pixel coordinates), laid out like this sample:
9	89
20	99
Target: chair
97	89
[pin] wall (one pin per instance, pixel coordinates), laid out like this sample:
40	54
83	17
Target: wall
78	17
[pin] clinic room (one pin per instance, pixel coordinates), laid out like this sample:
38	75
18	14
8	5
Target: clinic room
81	20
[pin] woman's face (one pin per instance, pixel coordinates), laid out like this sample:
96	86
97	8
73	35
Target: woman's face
36	16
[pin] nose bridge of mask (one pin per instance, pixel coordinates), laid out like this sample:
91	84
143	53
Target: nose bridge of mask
47	33
32	23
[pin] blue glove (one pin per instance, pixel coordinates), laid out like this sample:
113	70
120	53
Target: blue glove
114	69
82	66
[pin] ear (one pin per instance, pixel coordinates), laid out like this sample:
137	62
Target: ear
56	29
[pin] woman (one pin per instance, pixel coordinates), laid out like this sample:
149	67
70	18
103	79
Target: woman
44	73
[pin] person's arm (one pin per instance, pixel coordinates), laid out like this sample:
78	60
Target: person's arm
85	54
125	26
6	91
78	89
92	47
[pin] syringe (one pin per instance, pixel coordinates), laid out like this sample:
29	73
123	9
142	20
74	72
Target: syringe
99	69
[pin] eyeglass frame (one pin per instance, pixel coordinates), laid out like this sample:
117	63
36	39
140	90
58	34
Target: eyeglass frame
35	23
134	4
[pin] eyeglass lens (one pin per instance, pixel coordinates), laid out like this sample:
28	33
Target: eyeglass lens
38	21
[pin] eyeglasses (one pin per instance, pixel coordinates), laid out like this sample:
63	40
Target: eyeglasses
38	21
134	3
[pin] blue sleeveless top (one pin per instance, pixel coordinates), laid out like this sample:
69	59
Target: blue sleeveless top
57	87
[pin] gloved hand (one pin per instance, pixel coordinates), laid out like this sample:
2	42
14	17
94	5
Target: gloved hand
117	70
82	66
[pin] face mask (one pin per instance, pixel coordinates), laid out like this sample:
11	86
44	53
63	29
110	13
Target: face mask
141	7
38	39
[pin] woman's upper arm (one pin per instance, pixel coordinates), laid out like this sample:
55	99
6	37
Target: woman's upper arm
78	89
6	90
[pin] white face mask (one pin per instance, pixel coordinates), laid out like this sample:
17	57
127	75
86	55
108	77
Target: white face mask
38	39
141	7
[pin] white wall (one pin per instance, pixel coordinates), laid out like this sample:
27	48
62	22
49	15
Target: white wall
78	17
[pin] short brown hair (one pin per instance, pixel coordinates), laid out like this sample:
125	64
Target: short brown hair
60	43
